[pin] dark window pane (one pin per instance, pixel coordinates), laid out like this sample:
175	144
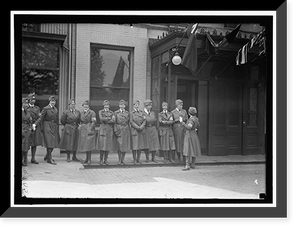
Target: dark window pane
40	70
109	67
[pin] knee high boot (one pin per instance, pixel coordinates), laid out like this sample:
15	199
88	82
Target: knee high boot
193	162
49	154
178	156
68	156
120	157
101	157
134	156
89	157
165	156
24	158
153	156
33	151
106	157
147	155
187	164
138	157
171	153
86	157
123	158
74	158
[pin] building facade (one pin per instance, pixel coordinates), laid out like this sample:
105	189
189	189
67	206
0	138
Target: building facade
98	62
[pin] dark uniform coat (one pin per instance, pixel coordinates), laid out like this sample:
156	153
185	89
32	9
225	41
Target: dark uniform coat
70	119
26	130
191	140
165	131
122	131
106	130
36	135
178	128
49	124
87	131
137	123
151	139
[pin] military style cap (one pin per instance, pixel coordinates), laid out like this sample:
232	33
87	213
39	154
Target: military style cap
164	104
71	101
52	98
106	102
192	110
147	102
122	101
31	96
178	102
24	100
136	101
86	103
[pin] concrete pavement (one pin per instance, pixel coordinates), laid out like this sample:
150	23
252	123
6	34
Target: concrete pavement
214	177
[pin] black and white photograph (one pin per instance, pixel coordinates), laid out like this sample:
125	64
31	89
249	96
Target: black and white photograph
174	110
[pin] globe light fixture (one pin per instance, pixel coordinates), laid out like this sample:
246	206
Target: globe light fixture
176	60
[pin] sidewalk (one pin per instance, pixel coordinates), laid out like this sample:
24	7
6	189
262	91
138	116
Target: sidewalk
202	160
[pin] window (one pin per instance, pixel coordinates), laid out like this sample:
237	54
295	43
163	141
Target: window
40	70
110	76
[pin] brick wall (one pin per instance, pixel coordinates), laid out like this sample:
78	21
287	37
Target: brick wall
118	35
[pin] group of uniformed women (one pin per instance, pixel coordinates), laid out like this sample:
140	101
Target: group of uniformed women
119	131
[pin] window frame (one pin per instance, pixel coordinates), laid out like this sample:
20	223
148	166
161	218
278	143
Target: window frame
116	48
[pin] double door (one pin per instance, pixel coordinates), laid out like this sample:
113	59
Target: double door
236	118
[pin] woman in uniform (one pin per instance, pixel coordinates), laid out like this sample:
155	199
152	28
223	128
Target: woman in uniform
122	131
105	132
49	123
166	135
178	128
152	139
87	132
191	148
69	141
26	131
36	135
137	123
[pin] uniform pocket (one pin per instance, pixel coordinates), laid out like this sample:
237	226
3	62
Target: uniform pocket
134	132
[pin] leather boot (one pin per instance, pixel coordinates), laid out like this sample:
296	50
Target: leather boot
193	162
86	158
24	159
33	151
187	165
123	158
171	153
153	157
147	156
101	157
138	157
165	156
134	156
74	158
50	160
68	156
178	155
89	156
106	157
120	157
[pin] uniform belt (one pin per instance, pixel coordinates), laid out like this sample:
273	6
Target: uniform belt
72	123
52	121
150	125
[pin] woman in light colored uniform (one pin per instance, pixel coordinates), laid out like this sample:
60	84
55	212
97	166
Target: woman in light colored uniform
178	128
166	135
122	132
105	132
151	139
69	141
191	148
87	132
137	129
